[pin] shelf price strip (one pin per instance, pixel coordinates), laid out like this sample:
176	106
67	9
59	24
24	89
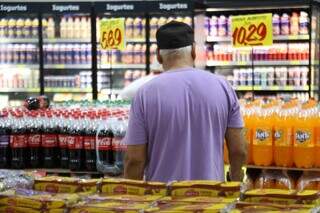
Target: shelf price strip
252	30
112	34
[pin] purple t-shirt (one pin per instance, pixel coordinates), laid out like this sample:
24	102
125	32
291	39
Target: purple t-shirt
182	115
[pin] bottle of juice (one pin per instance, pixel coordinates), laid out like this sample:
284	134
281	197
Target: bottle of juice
262	147
283	136
304	138
248	118
316	121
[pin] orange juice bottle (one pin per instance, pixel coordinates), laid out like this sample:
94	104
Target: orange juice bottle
316	121
283	137
304	138
248	118
262	150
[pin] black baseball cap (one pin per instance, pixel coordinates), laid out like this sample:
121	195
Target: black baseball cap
174	35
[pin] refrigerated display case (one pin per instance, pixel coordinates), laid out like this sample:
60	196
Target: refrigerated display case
19	52
67	51
287	68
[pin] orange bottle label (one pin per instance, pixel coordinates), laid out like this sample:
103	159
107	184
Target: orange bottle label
282	136
262	136
303	138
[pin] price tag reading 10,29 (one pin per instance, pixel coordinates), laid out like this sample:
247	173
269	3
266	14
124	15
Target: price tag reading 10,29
252	30
112	34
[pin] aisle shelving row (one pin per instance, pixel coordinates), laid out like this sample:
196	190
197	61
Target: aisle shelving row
257	63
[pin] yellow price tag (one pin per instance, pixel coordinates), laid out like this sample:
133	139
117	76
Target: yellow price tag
252	30
112	34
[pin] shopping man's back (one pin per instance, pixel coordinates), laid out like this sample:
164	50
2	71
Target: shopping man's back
187	112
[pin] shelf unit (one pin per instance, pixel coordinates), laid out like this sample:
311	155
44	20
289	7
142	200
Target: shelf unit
228	7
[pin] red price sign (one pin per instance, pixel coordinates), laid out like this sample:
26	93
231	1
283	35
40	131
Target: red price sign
252	30
112	34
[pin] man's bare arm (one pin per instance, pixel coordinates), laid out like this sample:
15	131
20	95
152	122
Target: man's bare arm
237	147
135	161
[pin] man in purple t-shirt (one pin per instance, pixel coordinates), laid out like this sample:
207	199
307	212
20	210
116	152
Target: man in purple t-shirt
179	120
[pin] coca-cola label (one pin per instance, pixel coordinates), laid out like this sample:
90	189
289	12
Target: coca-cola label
118	144
4	140
75	142
34	141
18	141
49	140
63	141
89	142
104	143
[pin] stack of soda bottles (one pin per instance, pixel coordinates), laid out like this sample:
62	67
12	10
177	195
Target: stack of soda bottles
63	136
282	133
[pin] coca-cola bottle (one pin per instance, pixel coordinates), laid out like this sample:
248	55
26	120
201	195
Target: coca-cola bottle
89	141
63	142
4	142
34	142
18	143
49	143
118	146
75	145
105	146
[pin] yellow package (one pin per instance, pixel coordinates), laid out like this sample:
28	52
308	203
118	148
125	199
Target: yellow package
280	196
132	187
188	208
124	198
37	200
56	184
195	188
16	209
195	200
269	207
230	189
95	207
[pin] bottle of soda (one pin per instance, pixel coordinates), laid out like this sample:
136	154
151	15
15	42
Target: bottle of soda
34	142
105	145
89	141
118	146
63	142
75	145
4	141
49	141
18	143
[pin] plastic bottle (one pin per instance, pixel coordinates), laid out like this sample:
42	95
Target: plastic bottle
285	24
294	24
75	144
105	145
316	121
262	147
118	146
18	143
276	24
34	142
19	29
51	28
45	28
283	136
4	141
304	138
129	27
63	27
27	30
248	118
303	23
12	28
49	141
63	142
89	141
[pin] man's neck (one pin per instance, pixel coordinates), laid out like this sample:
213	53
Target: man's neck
177	66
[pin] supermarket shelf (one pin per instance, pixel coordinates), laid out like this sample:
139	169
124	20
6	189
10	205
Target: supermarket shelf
67	66
256	63
276	38
30	66
67	90
66	40
19	40
7	90
282	168
272	88
122	66
62	171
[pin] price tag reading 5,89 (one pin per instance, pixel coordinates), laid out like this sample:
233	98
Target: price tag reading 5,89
252	30
112	34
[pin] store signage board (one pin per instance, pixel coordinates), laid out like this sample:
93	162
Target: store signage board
252	30
171	6
120	7
67	7
17	7
112	34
